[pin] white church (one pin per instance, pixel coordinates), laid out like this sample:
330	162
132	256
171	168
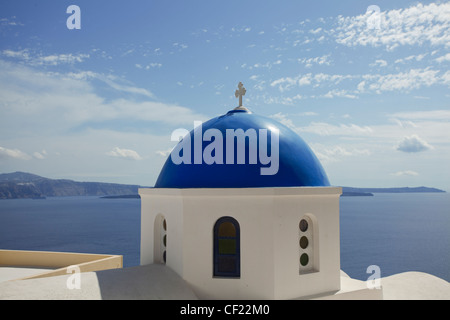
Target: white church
232	232
242	209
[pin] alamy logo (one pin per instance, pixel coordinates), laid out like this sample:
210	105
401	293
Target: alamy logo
374	18
374	280
74	280
74	21
213	153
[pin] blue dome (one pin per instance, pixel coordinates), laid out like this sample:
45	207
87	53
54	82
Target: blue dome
297	164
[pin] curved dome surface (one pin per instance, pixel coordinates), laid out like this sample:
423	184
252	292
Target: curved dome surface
297	164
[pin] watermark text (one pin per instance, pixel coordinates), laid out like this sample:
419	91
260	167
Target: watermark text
234	140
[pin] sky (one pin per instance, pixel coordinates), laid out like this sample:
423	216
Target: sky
369	92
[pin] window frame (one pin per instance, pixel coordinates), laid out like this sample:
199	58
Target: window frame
217	255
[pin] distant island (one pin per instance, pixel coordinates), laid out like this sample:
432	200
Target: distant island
23	185
350	191
355	193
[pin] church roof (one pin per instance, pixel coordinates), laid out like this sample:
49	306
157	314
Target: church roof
295	165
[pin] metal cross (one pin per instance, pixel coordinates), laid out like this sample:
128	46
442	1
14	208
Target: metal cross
241	92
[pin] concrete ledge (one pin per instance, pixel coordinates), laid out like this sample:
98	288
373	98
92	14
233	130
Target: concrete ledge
56	263
351	289
149	282
156	281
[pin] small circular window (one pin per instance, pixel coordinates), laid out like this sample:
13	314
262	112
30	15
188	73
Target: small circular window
304	242
304	259
307	247
303	225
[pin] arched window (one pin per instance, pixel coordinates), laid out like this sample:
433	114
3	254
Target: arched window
227	253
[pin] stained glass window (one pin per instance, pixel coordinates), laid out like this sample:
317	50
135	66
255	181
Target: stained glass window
227	248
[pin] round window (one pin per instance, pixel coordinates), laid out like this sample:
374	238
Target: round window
304	259
304	242
303	225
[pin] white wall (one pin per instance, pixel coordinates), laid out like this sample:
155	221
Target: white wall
268	219
201	213
171	207
324	211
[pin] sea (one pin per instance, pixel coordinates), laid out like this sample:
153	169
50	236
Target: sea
395	232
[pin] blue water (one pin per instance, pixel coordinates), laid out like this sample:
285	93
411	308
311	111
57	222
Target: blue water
73	224
397	232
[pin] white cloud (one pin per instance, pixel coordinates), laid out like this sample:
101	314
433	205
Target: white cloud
124	153
241	29
22	54
423	115
164	153
129	89
267	65
53	104
111	81
380	63
40	155
327	154
288	101
10	22
376	83
13	154
403	81
339	93
326	129
154	65
361	86
443	58
413	144
405	173
417	25
446	78
305	80
287	83
284	83
418	57
282	118
180	46
315	31
51	60
320	60
61	58
404	123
